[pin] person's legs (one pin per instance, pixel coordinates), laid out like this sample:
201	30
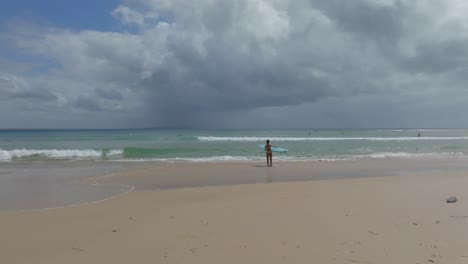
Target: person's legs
268	159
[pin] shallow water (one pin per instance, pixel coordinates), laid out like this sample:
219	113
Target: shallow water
33	185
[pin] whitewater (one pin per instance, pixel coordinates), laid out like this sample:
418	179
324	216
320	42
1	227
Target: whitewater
194	145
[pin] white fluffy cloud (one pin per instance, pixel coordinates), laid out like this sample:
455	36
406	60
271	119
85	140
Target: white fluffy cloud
197	62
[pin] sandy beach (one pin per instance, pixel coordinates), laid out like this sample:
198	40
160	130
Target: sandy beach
384	212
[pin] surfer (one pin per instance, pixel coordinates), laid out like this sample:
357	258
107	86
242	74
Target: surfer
269	153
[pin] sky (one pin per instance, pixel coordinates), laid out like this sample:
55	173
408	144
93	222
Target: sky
234	64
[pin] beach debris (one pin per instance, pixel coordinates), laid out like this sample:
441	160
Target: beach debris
460	216
78	249
451	199
114	230
437	222
430	260
415	223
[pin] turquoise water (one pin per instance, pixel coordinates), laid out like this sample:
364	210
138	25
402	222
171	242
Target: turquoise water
228	145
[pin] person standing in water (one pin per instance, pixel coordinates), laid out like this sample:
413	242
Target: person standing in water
269	153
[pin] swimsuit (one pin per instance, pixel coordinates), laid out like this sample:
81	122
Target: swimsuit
268	149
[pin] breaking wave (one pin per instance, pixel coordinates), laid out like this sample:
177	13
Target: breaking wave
57	153
255	139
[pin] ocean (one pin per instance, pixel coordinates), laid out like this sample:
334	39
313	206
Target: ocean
55	168
192	145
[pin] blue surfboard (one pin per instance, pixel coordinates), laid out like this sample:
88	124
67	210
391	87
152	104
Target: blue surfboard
274	149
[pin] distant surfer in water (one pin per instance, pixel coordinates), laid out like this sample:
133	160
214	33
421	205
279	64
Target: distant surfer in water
269	153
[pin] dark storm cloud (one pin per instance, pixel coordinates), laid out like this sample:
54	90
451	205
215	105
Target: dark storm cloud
39	95
439	57
223	81
87	103
184	62
369	18
109	94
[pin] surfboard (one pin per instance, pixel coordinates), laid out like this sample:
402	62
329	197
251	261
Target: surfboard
274	149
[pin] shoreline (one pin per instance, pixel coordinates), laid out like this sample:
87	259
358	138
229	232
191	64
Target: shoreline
120	180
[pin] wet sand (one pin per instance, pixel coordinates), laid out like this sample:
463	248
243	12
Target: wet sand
35	185
381	212
159	176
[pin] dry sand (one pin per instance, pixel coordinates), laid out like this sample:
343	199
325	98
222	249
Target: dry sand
394	219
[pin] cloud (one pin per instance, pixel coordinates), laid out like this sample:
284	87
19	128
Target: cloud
13	87
372	19
109	94
439	57
184	62
128	16
87	103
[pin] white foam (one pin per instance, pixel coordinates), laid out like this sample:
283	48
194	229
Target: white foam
55	153
257	139
422	130
114	152
284	158
395	155
199	160
409	155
